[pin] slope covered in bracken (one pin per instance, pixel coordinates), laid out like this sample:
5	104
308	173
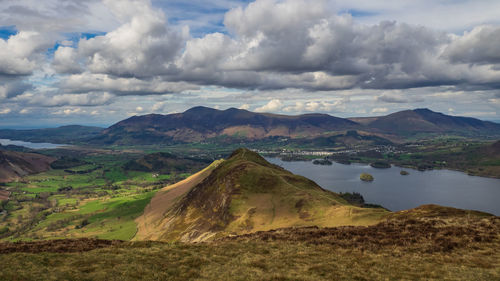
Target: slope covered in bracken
14	165
426	243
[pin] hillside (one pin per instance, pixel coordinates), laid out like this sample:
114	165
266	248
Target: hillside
201	123
61	135
426	243
165	163
244	194
427	121
482	160
14	165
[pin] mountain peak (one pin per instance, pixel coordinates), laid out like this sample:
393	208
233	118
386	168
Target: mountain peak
243	153
200	109
426	111
248	155
423	110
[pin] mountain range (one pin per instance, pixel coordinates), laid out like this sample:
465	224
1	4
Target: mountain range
202	123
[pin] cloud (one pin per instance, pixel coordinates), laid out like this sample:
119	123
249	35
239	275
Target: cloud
142	46
272	105
89	82
158	107
56	100
245	106
392	99
66	61
380	110
56	15
271	45
481	46
5	111
68	111
315	106
12	87
21	53
299	44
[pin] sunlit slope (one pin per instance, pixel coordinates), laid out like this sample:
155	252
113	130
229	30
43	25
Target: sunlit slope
245	194
148	223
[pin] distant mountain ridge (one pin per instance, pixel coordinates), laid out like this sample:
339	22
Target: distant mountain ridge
203	123
61	135
200	123
426	120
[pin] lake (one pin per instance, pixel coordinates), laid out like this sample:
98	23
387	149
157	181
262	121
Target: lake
396	192
33	145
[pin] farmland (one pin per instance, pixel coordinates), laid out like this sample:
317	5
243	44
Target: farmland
98	198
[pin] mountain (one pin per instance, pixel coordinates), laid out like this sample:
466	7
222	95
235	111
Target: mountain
166	163
244	194
60	135
14	165
201	123
416	121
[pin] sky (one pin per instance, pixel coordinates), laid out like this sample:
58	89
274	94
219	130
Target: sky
95	62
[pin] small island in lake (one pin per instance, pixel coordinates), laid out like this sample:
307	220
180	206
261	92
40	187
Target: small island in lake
404	173
366	177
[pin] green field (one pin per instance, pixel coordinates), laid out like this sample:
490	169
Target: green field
97	199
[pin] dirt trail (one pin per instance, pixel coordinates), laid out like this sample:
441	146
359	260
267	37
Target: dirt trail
151	219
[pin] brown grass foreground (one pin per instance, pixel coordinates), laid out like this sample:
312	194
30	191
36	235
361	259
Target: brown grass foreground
458	247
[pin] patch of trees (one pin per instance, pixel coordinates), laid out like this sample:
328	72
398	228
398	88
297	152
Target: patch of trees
366	177
66	162
357	199
380	165
82	224
61	223
322	162
82	172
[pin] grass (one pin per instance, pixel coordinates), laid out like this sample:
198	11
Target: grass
109	197
108	218
246	194
250	261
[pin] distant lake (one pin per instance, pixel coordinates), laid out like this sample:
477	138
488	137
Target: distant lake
33	145
396	192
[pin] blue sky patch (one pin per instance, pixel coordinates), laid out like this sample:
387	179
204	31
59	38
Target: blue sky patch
360	13
7	31
74	38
